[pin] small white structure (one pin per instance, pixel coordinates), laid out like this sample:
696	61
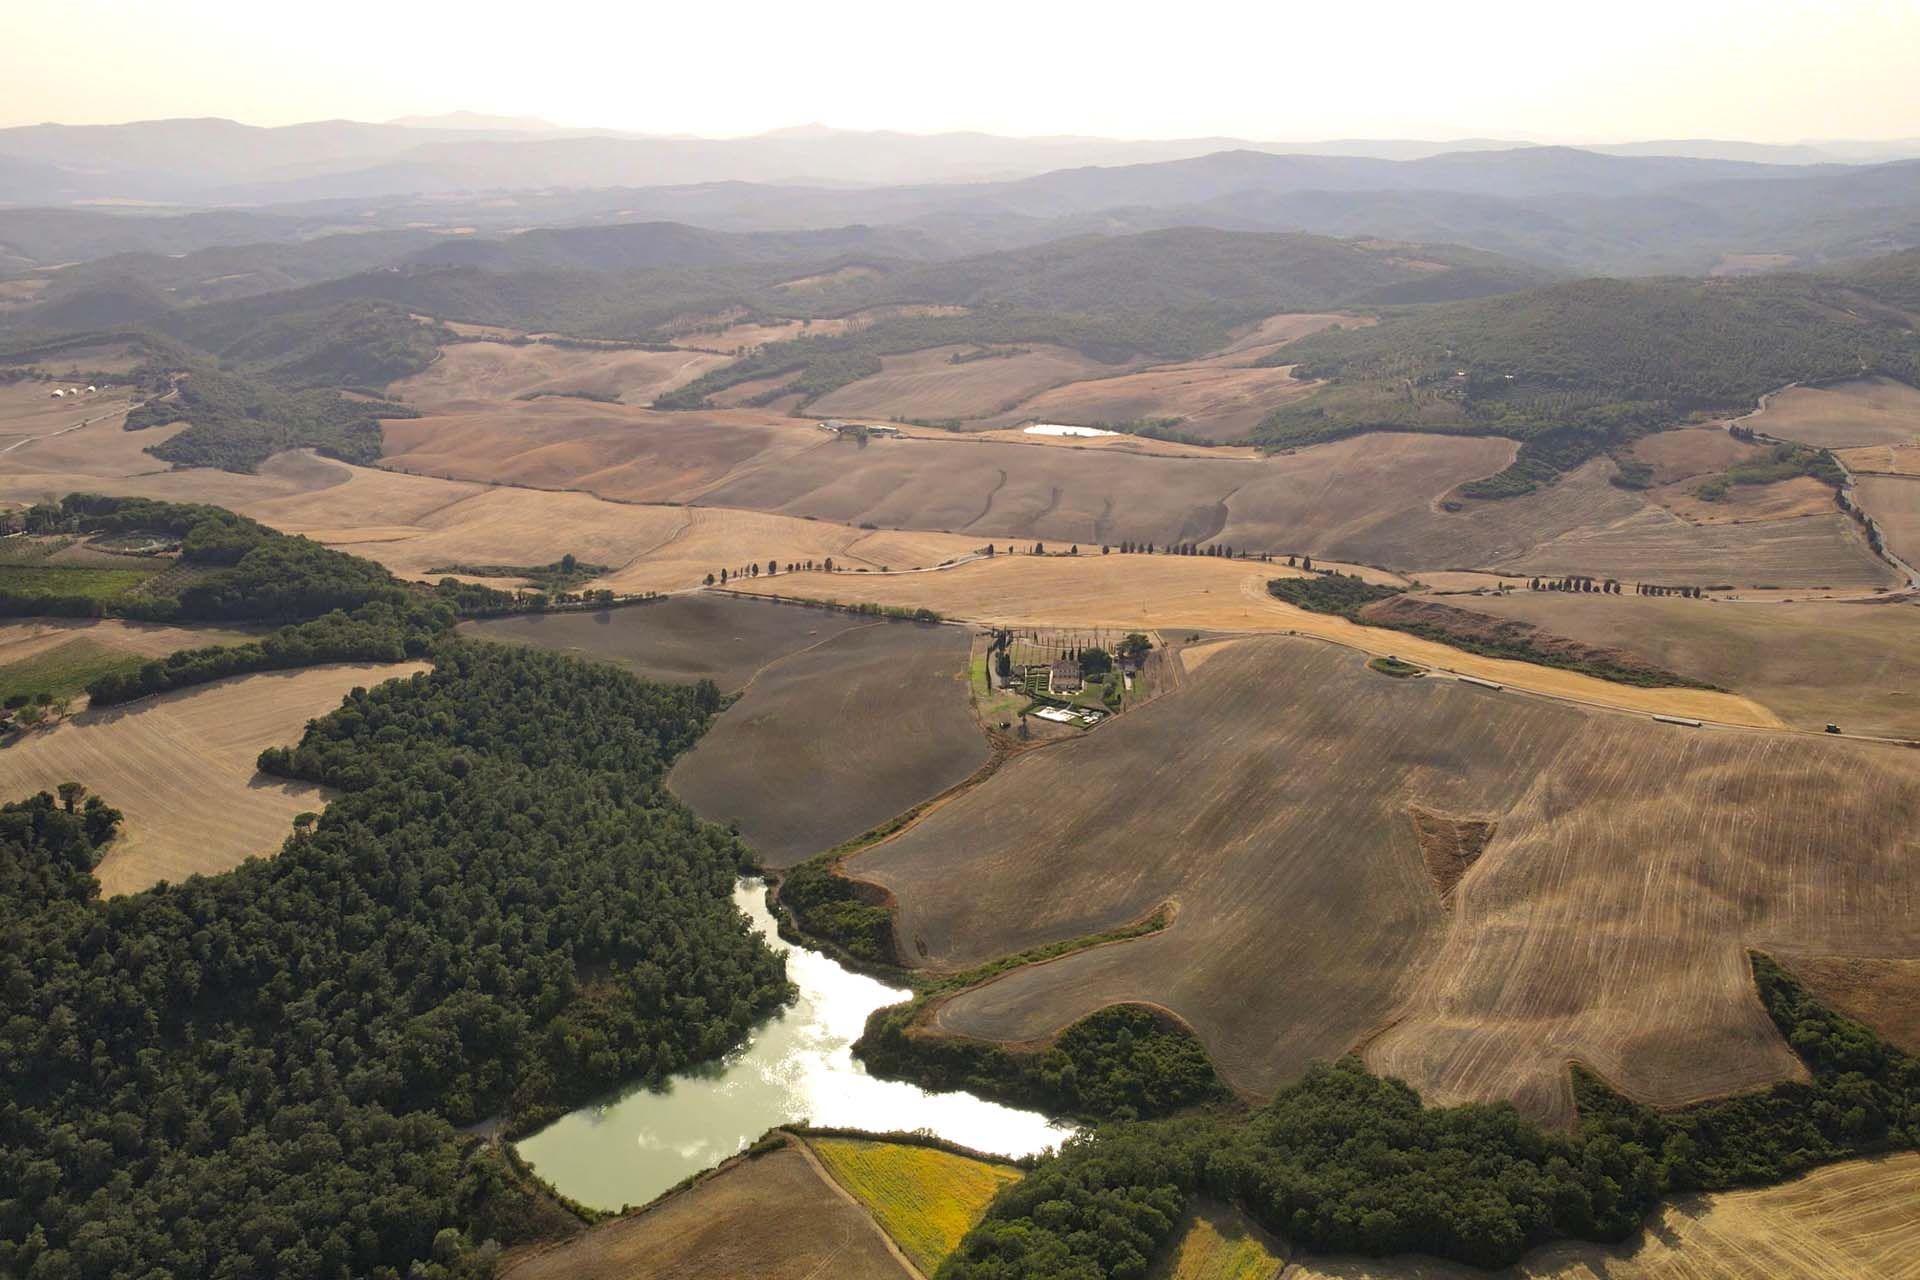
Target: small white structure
91	388
59	394
1058	429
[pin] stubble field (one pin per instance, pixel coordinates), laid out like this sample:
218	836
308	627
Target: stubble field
1894	504
1631	866
181	768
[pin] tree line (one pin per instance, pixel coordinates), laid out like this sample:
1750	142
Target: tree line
1345	1161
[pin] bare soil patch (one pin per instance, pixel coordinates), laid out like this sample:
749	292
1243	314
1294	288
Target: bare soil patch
1606	921
181	768
1286	327
838	738
1449	846
774	1217
1862	412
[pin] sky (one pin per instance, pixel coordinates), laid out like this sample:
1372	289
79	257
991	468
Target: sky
1762	70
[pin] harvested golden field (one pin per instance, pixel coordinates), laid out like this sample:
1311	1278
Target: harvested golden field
1222	398
1218	1243
1744	503
1843	1222
181	767
28	411
1631	866
1882	993
614	451
836	739
497	371
1200	593
777	1217
1865	411
1810	662
1883	459
715	333
923	1197
1894	504
930	386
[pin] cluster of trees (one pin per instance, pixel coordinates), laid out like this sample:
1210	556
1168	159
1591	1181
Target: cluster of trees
1576	370
1606	586
1330	593
1653	589
1346	1161
562	575
260	1073
1781	462
236	422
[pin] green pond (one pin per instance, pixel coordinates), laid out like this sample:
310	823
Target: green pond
798	1065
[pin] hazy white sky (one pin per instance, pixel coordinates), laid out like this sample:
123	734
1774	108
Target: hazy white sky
1768	70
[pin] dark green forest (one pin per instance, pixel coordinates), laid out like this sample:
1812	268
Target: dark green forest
1345	1161
260	1073
1575	370
236	421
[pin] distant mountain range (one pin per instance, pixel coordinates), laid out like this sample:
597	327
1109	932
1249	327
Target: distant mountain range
215	161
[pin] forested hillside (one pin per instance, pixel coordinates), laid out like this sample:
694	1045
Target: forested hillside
1573	370
261	1073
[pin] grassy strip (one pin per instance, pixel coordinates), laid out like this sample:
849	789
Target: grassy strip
64	670
1394	667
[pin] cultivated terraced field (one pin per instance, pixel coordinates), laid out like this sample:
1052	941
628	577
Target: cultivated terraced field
501	371
1867	411
836	739
725	639
928	386
777	1217
1631	866
1811	662
923	1197
1202	594
1843	1222
181	768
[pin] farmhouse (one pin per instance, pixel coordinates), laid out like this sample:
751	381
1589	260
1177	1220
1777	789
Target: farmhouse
1065	677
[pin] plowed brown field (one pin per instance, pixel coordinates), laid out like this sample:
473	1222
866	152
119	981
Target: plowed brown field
1843	1222
1689	452
181	768
776	1217
836	739
1884	994
1631	867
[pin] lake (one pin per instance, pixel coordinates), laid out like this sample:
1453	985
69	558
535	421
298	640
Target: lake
798	1065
